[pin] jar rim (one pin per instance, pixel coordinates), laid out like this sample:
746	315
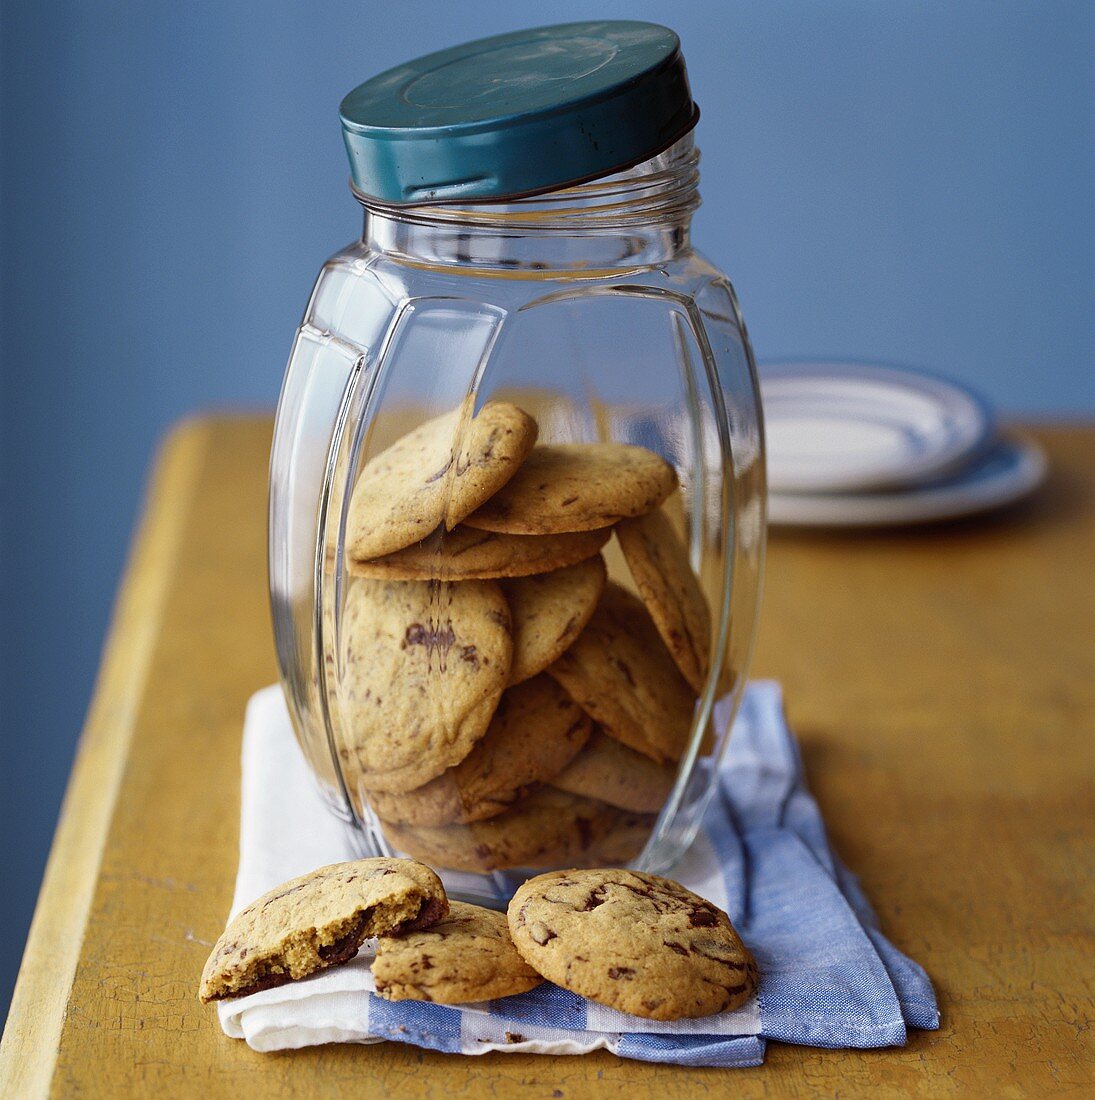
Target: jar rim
374	203
663	185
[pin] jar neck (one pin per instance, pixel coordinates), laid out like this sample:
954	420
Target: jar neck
635	218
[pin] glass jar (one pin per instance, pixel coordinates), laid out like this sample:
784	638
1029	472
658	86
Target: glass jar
517	521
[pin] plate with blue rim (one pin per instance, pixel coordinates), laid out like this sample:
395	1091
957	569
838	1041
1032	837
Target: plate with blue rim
1009	470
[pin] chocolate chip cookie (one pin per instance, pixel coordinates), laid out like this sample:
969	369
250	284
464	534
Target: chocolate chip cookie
548	827
622	843
424	664
619	672
549	611
533	735
438	473
636	942
468	956
658	560
577	487
611	772
465	553
320	920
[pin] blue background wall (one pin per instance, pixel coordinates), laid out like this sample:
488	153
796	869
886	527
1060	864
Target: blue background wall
908	181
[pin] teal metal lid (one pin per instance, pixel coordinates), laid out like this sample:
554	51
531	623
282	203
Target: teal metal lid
518	113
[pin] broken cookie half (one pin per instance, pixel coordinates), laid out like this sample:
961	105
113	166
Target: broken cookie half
320	920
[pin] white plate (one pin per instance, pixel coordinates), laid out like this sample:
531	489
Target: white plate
1014	467
849	427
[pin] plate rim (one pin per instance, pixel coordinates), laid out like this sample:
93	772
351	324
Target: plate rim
928	504
895	475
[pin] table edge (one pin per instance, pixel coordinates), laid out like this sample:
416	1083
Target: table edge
31	1038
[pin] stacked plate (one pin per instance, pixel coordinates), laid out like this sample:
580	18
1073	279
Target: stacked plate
860	445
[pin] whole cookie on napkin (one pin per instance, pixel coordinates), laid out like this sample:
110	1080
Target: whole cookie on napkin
319	920
420	481
424	665
577	487
636	942
534	733
468	956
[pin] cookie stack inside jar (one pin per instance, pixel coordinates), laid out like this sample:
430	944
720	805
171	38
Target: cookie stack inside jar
499	700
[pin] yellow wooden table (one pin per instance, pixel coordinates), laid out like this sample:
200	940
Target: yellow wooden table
941	682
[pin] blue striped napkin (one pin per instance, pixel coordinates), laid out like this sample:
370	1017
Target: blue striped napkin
828	976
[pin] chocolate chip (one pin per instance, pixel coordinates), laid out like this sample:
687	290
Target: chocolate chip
596	897
575	728
284	894
540	933
440	473
345	947
618	972
625	669
431	911
431	637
